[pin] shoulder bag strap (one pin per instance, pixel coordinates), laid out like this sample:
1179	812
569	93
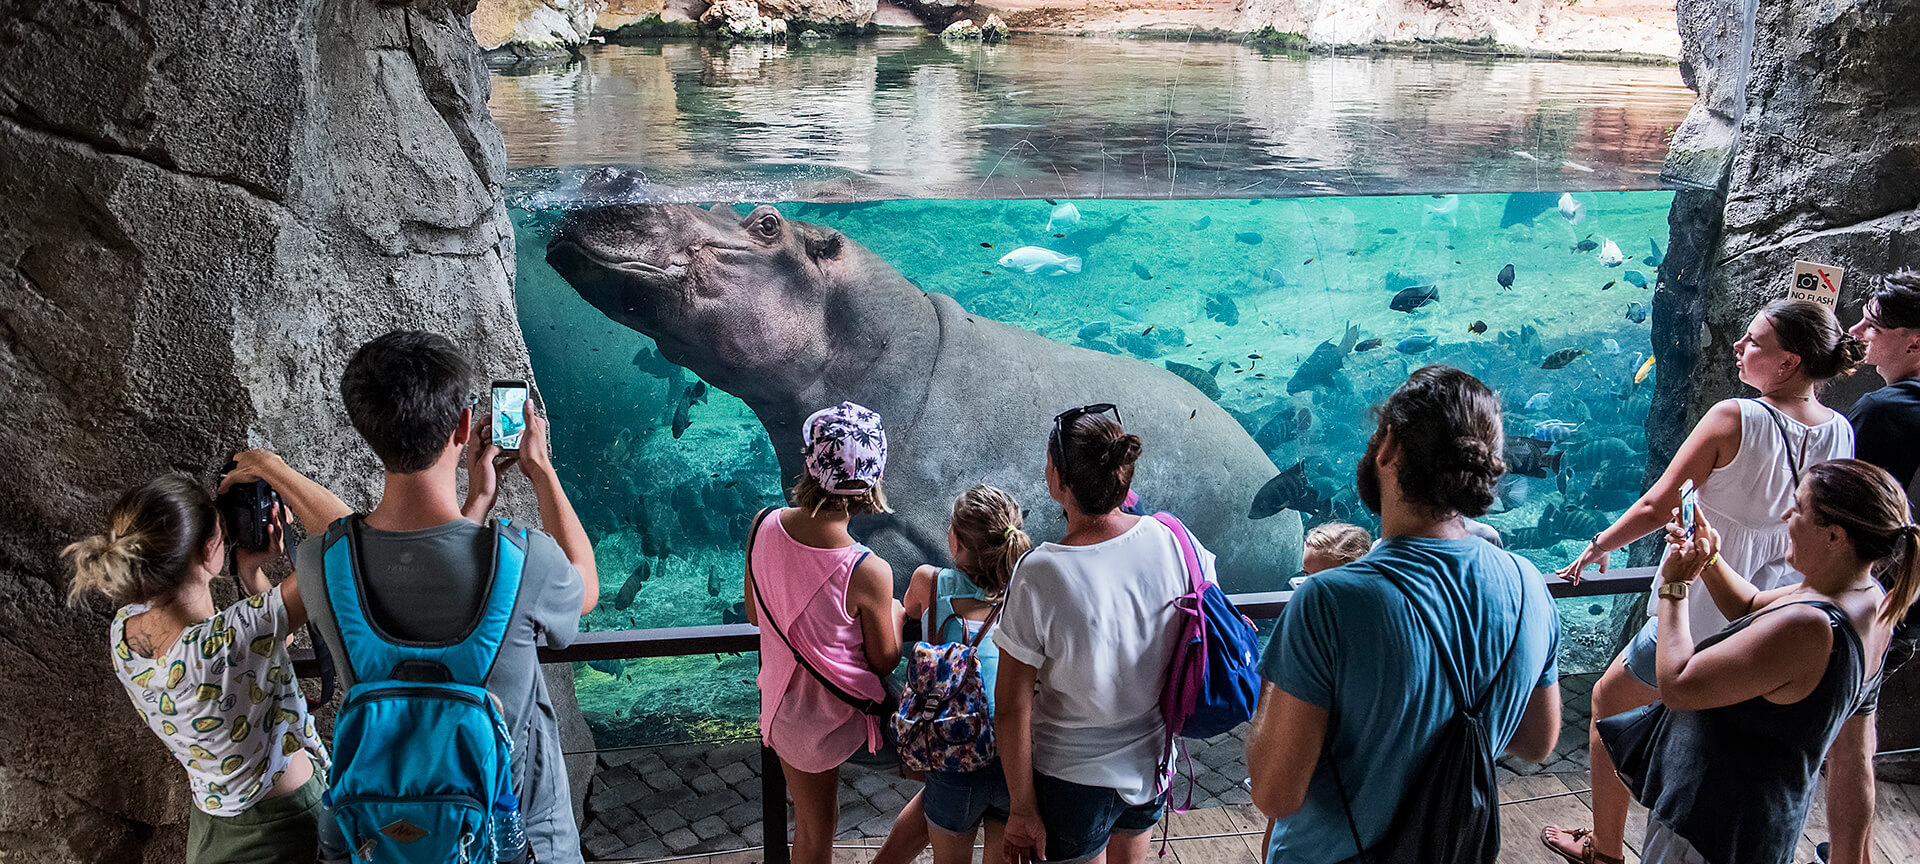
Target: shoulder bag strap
864	706
1786	441
993	615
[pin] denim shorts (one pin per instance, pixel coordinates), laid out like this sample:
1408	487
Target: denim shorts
957	802
1080	818
1640	655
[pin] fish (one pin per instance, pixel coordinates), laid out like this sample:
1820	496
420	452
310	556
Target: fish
1606	286
1251	238
986	245
1033	259
1554	431
696	392
1528	457
1064	215
1635	278
1094	330
1413	298
1288	490
1388	231
1141	270
1586	245
1201	379
1416	344
1609	346
631	588
1201	224
1149	330
1367	344
1654	257
1442	215
1559	359
1322	367
1138	345
1221	308
613	666
1308	261
1570	209
1570	164
1530	158
1523	207
1477	327
1636	312
1282	427
713	583
735	614
1130	312
1538	401
682	418
1610	254
1510	492
1646	368
1506	277
1275	277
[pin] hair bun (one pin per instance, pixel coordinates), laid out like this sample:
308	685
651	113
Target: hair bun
1123	451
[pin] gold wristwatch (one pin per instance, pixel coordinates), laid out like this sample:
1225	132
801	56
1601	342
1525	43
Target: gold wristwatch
1673	590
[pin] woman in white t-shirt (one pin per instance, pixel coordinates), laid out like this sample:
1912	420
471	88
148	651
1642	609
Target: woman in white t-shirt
217	686
1085	638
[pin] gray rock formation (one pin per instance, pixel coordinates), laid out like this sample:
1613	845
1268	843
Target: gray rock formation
535	28
1801	146
205	214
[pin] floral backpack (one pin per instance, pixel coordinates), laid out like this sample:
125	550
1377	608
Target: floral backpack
944	723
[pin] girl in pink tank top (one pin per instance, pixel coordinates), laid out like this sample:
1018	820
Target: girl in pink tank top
814	591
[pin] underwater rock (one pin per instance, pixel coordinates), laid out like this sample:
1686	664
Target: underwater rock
955	388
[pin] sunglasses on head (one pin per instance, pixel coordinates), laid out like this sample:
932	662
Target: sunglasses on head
1058	439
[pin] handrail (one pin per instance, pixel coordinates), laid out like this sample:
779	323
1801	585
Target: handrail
744	638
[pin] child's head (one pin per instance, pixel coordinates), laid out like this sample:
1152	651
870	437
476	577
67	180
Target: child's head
158	537
846	452
986	537
1333	544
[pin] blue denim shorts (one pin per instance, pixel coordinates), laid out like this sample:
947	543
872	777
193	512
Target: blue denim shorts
1079	818
957	802
1640	656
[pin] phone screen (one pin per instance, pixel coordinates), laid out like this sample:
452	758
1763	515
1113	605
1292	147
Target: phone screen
509	413
1689	497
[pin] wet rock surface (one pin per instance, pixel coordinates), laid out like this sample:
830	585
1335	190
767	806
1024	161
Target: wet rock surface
538	28
206	215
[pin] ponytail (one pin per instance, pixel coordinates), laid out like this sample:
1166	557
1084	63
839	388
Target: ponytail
1904	570
1864	500
153	542
988	524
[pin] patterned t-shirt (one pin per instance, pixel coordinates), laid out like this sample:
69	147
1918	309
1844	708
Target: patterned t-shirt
224	700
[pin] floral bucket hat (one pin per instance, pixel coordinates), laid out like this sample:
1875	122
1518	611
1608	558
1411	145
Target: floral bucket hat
846	449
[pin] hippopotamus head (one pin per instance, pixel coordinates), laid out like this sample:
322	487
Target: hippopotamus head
753	303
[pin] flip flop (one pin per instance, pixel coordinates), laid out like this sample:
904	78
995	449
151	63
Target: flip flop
1583	836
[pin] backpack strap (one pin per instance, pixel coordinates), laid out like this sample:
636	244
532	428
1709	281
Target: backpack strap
1454	677
1786	441
373	655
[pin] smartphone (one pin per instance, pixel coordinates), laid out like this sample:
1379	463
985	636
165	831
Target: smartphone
1689	498
509	413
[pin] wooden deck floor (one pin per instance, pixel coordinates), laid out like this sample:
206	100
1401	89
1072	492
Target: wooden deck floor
1231	835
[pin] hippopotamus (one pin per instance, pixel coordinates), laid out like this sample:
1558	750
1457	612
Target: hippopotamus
792	317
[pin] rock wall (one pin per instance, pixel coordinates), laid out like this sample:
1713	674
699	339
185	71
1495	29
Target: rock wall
537	28
1801	146
1644	27
206	212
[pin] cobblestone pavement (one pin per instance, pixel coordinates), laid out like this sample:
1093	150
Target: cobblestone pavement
705	797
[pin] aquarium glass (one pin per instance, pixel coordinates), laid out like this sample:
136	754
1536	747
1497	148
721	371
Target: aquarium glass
1311	230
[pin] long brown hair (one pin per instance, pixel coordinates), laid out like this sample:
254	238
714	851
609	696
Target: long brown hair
987	522
1095	458
1864	499
153	540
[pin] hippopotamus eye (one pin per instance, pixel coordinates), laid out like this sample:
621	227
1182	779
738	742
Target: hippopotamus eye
768	224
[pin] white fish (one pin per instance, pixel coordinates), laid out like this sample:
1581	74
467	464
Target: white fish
1442	214
1538	401
1063	215
1033	259
1609	346
1570	208
1527	156
1611	255
1568	163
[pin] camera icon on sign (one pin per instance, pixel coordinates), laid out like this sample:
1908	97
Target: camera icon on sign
1807	282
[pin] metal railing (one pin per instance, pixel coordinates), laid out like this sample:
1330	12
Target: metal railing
745	638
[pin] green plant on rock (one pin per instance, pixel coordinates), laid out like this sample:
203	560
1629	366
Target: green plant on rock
1273	37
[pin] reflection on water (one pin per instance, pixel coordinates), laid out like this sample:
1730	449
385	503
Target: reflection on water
901	116
666	472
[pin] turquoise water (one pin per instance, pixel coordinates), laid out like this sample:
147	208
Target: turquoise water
1251	287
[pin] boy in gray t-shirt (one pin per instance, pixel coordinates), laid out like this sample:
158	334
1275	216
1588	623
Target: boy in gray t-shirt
426	558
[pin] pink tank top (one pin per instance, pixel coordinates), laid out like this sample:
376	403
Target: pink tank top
805	592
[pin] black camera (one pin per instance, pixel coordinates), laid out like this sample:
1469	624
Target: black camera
246	511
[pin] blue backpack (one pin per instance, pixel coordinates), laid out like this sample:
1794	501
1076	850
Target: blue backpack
1213	682
422	759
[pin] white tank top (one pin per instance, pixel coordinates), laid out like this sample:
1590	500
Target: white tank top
1746	499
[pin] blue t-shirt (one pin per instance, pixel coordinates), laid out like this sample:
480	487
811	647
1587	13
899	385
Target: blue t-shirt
950	585
1349	640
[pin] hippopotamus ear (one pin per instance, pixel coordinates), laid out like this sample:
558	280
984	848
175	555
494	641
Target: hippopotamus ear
824	244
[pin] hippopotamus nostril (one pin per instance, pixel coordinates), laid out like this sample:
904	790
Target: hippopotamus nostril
612	183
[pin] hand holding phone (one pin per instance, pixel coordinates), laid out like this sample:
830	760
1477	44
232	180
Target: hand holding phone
1689	499
509	411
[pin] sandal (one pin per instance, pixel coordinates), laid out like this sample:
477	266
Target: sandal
1583	836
